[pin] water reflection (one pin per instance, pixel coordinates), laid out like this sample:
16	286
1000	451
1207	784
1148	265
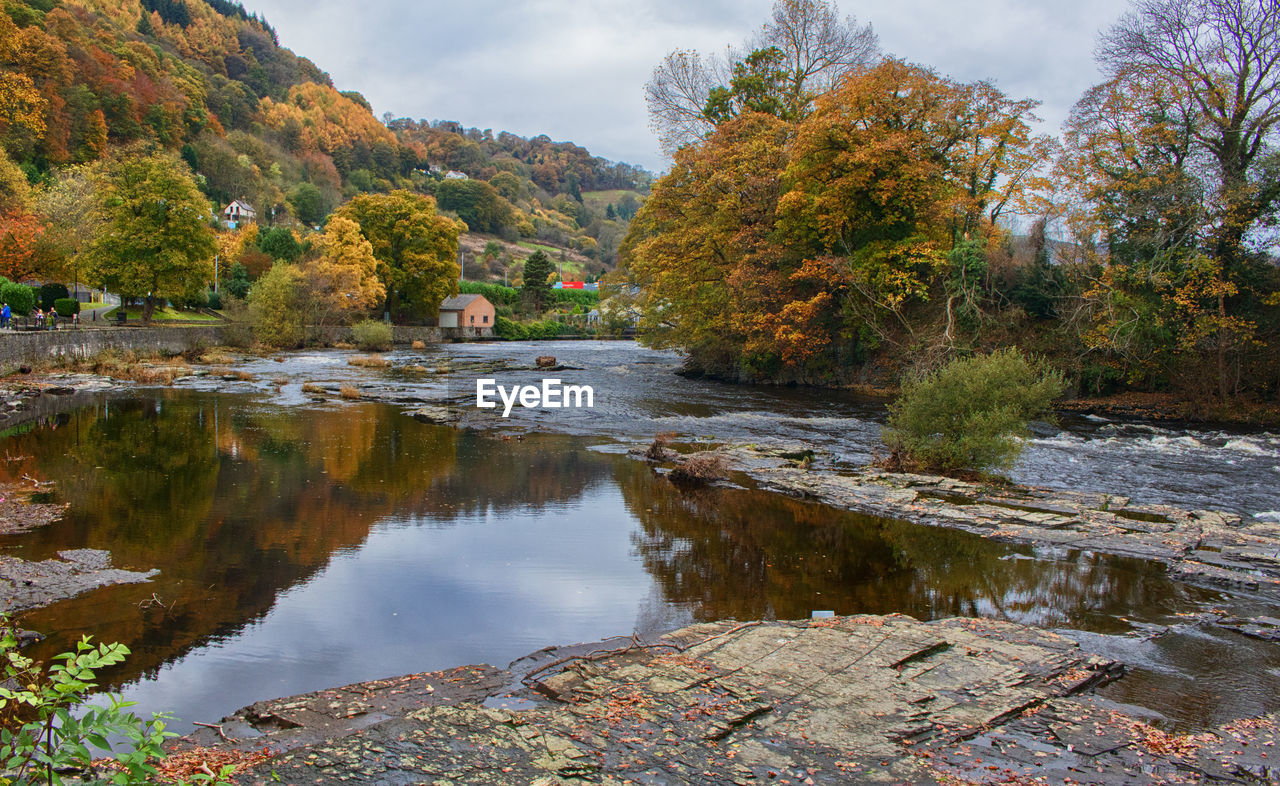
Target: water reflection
302	548
750	554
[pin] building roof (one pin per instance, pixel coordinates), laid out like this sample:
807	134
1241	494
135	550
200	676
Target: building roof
244	206
460	302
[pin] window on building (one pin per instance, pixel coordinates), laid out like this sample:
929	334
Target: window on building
486	319
473	319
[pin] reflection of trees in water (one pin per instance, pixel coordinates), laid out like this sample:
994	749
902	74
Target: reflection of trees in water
236	502
750	554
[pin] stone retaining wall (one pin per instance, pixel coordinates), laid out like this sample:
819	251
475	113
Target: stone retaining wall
19	348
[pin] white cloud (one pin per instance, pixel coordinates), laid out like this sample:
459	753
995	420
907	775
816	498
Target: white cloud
576	71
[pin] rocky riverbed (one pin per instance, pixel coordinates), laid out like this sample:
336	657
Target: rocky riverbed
837	700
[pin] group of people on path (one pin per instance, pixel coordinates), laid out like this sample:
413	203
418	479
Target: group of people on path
42	321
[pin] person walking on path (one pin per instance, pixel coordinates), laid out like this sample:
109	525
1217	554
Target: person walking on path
5	316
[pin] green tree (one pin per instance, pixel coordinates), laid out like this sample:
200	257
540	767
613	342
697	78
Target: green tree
537	272
416	248
308	204
477	203
759	84
279	243
276	306
971	413
238	284
152	239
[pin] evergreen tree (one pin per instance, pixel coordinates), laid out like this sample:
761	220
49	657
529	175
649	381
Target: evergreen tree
537	273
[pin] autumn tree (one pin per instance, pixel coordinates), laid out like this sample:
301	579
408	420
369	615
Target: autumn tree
20	236
416	248
15	191
703	250
65	205
871	189
1173	162
342	282
152	238
1220	59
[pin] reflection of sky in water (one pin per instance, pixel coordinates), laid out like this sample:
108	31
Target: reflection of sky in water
419	597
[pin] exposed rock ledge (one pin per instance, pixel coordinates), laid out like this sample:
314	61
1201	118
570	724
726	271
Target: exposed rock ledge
853	699
1204	547
28	585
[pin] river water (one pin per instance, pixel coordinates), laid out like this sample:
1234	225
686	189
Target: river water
305	544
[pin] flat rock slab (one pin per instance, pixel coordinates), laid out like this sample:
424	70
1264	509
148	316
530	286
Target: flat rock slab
18	513
839	700
28	585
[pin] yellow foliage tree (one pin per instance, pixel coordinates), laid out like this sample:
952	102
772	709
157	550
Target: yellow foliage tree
342	283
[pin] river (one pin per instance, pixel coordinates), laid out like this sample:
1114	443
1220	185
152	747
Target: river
304	544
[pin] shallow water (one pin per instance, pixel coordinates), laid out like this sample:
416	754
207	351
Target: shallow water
637	394
304	545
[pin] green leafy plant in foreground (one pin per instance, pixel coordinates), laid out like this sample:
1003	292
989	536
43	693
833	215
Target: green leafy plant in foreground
47	732
970	414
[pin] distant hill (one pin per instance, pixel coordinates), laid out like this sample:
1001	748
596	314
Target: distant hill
209	79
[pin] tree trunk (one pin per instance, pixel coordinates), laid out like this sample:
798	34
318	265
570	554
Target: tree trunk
148	309
1222	348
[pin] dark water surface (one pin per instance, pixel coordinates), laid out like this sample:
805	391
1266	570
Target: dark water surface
303	546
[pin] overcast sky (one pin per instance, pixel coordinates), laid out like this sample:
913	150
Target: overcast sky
576	70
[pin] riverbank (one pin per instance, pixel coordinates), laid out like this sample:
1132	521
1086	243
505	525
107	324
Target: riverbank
838	700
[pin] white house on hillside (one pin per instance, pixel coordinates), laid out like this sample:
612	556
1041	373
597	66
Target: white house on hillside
238	213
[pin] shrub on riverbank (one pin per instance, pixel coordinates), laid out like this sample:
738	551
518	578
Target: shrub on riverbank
971	413
526	331
372	335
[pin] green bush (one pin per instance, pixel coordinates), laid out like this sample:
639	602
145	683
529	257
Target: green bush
578	297
215	300
50	294
509	329
66	307
238	284
526	331
47	730
496	294
971	413
372	335
20	297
